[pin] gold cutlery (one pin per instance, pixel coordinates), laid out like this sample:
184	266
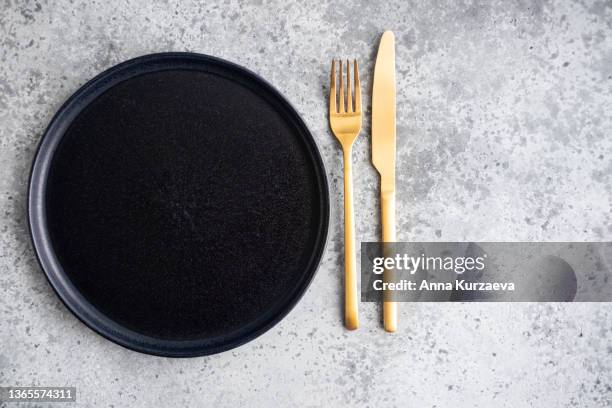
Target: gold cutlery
345	122
383	149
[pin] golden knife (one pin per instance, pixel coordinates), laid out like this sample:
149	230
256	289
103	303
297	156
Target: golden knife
383	148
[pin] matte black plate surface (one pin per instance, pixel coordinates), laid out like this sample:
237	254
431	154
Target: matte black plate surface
178	205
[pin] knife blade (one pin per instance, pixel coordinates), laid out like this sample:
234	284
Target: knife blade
383	149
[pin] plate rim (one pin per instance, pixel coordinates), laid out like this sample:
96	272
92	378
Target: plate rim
53	271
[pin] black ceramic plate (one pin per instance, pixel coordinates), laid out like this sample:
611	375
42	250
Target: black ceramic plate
178	205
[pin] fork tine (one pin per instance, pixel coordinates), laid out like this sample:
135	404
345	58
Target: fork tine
341	103
357	89
332	89
349	95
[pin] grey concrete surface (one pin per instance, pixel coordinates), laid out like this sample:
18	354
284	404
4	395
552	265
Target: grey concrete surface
504	135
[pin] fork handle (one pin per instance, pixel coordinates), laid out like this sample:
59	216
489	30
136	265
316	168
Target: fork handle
388	232
351	319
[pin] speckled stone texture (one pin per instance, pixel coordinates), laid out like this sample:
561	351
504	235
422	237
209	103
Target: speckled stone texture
504	133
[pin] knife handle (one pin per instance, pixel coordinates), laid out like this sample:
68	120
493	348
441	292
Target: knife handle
351	319
388	233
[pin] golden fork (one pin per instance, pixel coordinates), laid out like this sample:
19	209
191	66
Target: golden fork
345	122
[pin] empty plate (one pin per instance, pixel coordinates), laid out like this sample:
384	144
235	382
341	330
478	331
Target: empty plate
178	205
